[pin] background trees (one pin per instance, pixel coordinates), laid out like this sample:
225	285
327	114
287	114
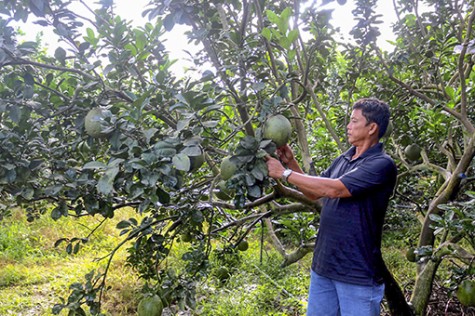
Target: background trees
163	137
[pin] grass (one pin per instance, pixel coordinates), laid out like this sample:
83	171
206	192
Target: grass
35	275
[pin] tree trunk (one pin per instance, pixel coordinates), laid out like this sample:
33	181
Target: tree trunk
427	270
423	287
397	303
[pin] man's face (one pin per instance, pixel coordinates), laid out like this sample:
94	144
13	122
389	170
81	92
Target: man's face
358	129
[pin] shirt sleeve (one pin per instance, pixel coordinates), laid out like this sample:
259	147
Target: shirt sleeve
327	173
368	175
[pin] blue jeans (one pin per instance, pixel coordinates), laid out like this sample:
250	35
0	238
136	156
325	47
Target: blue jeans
333	298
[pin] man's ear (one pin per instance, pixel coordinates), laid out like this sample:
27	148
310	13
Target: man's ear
373	128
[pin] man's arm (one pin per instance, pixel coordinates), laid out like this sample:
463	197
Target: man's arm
317	187
313	187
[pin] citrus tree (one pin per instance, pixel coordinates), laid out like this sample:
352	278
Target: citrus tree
430	72
104	124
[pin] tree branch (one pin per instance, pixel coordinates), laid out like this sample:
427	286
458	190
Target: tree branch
21	61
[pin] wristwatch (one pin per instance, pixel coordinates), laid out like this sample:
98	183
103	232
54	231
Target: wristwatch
286	175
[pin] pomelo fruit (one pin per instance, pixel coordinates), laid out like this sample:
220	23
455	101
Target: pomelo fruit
278	129
411	255
466	293
222	273
243	245
93	122
412	152
150	306
228	168
186	237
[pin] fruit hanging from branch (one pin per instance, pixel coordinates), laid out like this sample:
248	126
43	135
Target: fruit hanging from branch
278	129
412	152
228	168
150	306
96	123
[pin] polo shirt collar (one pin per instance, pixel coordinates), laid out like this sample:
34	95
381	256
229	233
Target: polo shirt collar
376	149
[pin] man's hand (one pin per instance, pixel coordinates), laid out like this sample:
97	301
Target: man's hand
285	154
275	167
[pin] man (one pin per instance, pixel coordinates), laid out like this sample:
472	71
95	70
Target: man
346	277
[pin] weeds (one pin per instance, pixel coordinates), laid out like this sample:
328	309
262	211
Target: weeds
35	275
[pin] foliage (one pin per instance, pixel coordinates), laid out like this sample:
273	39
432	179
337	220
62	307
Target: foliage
265	58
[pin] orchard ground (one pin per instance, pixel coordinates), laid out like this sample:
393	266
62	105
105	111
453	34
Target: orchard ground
34	275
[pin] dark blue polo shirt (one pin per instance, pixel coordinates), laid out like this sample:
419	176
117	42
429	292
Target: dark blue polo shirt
349	236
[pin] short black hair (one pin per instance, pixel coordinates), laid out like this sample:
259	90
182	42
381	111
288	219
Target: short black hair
374	110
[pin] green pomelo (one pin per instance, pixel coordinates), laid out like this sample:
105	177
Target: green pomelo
412	152
278	129
186	237
466	293
243	245
222	273
411	255
150	306
228	168
93	122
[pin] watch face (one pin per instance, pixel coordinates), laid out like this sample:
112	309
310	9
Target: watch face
286	174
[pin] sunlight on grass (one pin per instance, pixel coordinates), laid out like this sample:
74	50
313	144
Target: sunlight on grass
35	275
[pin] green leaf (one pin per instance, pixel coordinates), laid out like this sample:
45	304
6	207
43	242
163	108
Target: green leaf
250	143
38	7
450	92
90	33
123	224
15	113
140	39
94	165
28	193
181	162
254	191
35	163
76	248
273	18
197	217
53	190
169	22
435	217
105	185
163	197
293	35
260	170
210	124
57	308
165	152
266	33
192	151
59	242
471	194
